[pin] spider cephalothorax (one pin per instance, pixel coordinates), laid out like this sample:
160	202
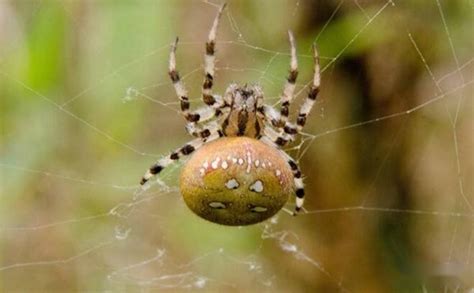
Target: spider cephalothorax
244	102
240	175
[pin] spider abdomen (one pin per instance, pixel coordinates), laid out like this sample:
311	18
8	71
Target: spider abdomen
236	181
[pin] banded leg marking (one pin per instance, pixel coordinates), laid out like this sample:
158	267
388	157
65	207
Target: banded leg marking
297	176
312	94
285	134
185	150
179	86
209	62
289	88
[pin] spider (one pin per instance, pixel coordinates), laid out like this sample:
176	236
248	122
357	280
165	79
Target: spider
239	173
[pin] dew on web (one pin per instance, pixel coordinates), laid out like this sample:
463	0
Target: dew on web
131	95
386	154
121	233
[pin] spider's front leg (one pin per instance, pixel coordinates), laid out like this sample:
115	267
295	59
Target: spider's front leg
289	89
179	87
279	119
200	115
185	150
289	130
312	94
209	62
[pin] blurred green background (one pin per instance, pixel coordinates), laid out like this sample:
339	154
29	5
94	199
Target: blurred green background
86	106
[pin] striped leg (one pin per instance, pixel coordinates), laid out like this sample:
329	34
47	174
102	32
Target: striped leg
312	94
204	114
289	129
274	136
296	174
285	134
179	86
280	119
200	115
288	90
185	150
209	62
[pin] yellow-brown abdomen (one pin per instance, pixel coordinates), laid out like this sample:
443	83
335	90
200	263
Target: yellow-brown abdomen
236	181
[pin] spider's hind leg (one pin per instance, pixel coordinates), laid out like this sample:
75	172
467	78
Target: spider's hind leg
297	176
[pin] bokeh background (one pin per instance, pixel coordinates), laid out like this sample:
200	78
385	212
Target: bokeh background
86	106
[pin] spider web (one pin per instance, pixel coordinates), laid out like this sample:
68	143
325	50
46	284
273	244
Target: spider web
387	163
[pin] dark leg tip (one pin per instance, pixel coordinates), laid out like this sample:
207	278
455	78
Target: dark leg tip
296	212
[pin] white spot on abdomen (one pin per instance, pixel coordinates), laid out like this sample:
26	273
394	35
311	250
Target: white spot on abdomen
257	186
224	165
215	163
217	205
232	184
259	209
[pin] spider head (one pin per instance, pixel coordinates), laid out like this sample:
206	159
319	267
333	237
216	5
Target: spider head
245	98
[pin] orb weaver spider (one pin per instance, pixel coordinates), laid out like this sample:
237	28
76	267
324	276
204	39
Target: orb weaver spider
239	174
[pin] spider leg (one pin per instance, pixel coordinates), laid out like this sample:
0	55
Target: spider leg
296	173
185	150
204	114
282	135
288	90
205	130
279	120
179	86
312	94
289	129
192	117
209	62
